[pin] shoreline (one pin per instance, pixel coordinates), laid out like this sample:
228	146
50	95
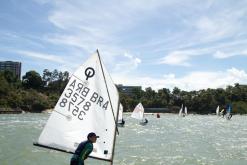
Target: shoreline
12	112
127	113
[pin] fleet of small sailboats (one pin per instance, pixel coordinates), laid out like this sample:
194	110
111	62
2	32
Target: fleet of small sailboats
224	113
90	103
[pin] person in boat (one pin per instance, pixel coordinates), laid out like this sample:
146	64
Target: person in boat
223	112
123	122
229	116
83	150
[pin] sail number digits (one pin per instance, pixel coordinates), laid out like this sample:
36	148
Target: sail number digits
78	99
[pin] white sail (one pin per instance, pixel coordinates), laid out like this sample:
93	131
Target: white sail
138	112
180	111
218	110
89	103
185	110
228	114
120	113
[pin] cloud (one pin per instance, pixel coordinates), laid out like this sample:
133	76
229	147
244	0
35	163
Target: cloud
152	32
177	58
237	75
221	55
42	2
135	61
220	23
231	53
118	22
192	81
42	56
127	64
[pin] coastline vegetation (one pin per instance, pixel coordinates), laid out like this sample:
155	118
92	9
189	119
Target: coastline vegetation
36	93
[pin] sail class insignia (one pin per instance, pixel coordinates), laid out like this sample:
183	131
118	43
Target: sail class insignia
89	72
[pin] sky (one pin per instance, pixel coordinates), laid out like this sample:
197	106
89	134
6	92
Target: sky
189	44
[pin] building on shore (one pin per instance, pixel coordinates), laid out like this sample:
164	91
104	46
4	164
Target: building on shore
128	90
12	66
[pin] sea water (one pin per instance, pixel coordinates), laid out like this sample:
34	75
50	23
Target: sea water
168	140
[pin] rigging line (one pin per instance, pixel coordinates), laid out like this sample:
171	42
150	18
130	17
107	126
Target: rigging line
67	116
108	91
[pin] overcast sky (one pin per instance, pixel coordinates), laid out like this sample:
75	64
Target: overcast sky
190	44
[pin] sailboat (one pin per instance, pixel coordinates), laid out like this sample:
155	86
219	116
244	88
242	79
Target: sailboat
89	103
138	113
228	112
183	111
121	121
180	111
218	110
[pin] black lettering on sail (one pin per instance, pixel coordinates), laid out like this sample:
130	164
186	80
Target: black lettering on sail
94	97
73	84
85	91
79	87
105	105
100	100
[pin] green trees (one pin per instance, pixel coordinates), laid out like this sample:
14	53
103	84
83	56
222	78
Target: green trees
34	101
32	80
4	86
54	81
36	93
240	107
202	101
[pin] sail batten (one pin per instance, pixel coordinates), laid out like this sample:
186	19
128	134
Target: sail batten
89	103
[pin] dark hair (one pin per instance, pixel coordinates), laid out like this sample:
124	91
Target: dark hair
92	134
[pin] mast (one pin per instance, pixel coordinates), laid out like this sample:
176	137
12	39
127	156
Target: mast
107	90
114	140
116	118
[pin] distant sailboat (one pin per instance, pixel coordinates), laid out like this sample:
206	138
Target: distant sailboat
218	110
183	111
138	113
180	111
121	121
228	112
89	103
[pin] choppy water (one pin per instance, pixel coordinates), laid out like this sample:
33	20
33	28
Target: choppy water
169	140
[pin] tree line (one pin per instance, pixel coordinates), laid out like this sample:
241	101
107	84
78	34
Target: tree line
36	93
